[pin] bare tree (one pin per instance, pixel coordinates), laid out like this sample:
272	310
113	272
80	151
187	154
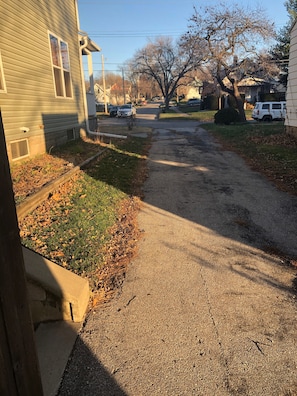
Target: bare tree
133	79
141	86
231	35
167	64
110	79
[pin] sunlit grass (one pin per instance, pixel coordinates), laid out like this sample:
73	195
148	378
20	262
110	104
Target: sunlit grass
202	116
72	226
265	146
193	113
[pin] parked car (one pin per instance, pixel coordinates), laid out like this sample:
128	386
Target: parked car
100	106
113	111
127	110
194	102
269	111
172	103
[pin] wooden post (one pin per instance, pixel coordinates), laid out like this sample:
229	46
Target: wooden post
19	368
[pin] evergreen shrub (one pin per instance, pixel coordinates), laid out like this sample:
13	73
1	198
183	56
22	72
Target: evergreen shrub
226	116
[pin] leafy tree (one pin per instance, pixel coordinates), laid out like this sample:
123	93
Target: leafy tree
167	64
291	6
229	34
280	52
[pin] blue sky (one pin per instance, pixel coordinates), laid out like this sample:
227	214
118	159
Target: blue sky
121	27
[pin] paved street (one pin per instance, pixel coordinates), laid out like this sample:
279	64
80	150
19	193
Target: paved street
204	309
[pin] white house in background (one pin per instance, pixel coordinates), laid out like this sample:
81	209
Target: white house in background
101	95
252	87
291	115
42	90
194	89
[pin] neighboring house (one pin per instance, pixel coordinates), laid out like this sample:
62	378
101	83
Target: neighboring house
193	93
42	91
101	95
252	87
114	94
194	89
291	114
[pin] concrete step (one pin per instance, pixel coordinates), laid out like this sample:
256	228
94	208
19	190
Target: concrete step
54	292
54	344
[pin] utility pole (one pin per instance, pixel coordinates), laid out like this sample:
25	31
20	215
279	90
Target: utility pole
104	88
19	368
123	79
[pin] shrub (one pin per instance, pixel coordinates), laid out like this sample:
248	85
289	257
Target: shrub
211	102
226	116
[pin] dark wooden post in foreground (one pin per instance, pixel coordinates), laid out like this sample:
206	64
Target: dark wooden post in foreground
19	369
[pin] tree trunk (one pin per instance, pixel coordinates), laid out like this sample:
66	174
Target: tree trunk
235	93
239	103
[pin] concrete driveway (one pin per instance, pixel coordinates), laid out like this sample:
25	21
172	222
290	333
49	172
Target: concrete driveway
204	309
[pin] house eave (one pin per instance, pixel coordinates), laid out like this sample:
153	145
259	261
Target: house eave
92	46
87	44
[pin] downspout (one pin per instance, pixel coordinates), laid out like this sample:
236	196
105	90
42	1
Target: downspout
94	133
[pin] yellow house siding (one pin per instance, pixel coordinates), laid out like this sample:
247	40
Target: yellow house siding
291	97
30	100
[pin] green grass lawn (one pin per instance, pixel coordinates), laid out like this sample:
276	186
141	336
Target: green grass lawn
247	138
202	116
73	226
266	147
193	113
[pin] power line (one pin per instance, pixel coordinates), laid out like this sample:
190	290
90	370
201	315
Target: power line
134	34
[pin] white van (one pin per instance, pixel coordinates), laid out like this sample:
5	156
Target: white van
268	111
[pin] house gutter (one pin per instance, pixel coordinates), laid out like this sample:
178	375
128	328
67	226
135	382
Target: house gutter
83	47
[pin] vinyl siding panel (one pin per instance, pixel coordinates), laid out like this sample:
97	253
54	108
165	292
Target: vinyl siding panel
30	100
291	118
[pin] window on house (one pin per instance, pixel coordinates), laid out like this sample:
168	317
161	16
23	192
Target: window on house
19	149
2	81
61	67
70	134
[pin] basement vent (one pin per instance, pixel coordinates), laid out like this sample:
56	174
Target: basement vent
70	134
19	149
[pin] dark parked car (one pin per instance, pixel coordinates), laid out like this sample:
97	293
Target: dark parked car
194	102
100	107
113	111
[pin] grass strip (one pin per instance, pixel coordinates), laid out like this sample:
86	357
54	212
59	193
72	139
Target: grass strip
266	147
73	226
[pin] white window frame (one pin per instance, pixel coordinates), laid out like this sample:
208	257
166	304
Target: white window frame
60	67
20	156
2	79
